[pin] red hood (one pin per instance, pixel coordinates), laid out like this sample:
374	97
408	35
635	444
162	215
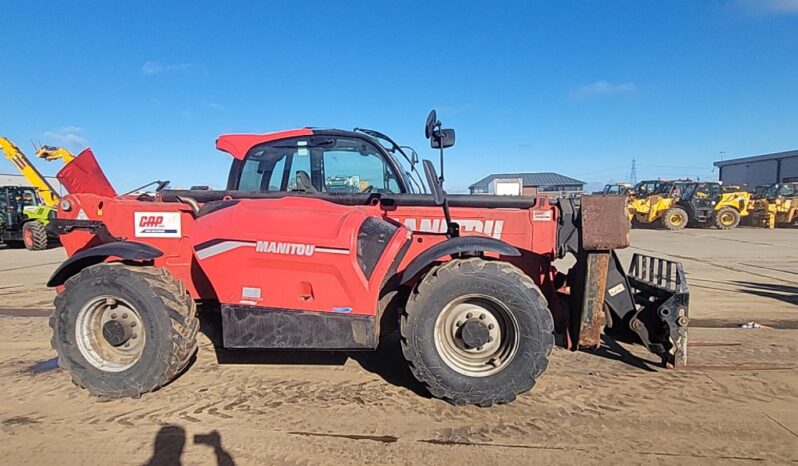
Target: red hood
84	175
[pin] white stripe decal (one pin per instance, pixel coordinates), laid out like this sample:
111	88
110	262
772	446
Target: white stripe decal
221	248
333	250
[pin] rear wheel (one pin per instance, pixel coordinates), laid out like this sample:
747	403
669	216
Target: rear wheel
122	331
675	218
477	332
727	218
34	236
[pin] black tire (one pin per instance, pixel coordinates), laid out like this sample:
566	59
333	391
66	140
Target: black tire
510	288
166	313
34	236
675	218
727	218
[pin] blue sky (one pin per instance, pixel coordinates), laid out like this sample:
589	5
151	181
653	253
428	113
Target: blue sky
576	87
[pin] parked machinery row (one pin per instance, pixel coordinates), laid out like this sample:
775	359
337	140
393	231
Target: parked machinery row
676	204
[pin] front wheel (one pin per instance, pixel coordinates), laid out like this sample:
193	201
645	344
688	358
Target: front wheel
122	331
34	236
477	332
675	218
727	218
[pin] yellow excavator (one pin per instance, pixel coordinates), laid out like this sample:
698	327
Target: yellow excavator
25	211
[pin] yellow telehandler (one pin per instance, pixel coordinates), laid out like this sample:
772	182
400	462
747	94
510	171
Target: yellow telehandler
778	206
657	206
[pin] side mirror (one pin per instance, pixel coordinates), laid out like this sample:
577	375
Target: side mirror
432	122
442	139
434	182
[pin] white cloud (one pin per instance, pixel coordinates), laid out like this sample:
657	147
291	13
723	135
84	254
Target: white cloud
151	67
601	88
70	136
214	106
768	7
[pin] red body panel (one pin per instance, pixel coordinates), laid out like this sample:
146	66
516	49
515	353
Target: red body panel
292	253
325	280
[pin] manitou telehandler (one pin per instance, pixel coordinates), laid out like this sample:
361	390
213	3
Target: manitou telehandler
323	240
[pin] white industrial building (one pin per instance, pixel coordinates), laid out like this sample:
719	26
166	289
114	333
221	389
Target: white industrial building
780	167
19	180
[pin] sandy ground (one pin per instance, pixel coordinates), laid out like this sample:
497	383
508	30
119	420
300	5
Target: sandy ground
737	403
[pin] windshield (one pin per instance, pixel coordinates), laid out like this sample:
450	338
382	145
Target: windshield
645	188
780	190
334	164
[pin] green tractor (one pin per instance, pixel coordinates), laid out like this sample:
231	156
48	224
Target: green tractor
24	218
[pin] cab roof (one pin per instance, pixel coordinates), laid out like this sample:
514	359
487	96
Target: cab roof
238	145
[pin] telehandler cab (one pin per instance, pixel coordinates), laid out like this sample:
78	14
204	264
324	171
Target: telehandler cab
324	240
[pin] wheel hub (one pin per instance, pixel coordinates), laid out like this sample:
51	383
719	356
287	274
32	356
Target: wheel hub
474	334
116	333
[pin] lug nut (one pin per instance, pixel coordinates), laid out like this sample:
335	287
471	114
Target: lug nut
134	336
132	324
479	348
490	339
458	323
124	316
491	326
469	315
482	317
113	316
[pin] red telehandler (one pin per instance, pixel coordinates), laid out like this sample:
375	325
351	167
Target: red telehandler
325	241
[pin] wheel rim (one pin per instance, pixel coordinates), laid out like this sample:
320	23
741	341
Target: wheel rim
110	334
476	335
676	219
727	219
28	237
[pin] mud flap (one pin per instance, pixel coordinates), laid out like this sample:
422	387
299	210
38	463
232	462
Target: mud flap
651	303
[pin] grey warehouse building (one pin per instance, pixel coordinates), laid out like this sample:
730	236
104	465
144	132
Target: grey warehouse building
780	167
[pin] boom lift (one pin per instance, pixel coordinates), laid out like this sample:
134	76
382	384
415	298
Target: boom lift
297	259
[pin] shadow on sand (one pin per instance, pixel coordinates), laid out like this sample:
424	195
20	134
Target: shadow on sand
387	361
171	441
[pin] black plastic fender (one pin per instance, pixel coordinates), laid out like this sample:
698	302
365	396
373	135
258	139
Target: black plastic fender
126	250
458	245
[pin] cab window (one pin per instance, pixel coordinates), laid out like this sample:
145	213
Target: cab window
271	168
331	163
357	169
